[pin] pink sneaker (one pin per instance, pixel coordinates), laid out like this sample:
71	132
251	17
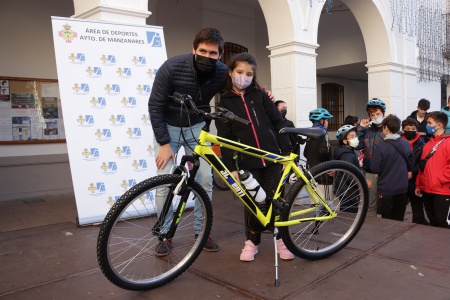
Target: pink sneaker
249	251
283	251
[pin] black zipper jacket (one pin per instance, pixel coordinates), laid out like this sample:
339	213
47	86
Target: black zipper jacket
266	123
178	74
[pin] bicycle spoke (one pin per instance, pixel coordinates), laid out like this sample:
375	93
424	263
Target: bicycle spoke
345	195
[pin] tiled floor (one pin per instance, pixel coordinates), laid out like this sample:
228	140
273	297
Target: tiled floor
35	212
44	255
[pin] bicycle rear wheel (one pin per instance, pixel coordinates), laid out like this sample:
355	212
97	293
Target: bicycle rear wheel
346	194
130	235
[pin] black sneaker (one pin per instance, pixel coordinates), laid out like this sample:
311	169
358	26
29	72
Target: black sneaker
210	245
163	248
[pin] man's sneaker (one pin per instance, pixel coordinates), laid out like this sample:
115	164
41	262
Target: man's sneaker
210	245
283	251
249	251
163	248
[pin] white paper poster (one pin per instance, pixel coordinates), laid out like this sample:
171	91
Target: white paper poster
105	73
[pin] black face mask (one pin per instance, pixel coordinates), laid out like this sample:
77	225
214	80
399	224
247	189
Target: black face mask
205	64
409	135
283	113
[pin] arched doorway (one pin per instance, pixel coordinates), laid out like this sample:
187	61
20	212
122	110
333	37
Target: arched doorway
293	29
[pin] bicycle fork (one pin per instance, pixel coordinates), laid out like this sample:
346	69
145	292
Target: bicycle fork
181	189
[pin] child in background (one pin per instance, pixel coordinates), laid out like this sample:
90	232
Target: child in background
245	98
433	182
370	133
318	150
446	110
393	161
348	141
420	115
416	143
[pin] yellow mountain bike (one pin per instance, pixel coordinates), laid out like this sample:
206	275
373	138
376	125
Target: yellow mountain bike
319	215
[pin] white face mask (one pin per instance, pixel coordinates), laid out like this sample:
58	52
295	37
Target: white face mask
354	142
241	82
378	121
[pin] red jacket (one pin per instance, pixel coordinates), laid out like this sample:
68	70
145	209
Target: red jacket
436	177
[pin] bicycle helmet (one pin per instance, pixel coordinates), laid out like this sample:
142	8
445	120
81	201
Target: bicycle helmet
446	110
319	114
376	103
343	130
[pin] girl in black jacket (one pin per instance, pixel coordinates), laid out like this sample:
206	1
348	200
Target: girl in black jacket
245	98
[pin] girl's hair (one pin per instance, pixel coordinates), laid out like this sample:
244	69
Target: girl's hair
242	57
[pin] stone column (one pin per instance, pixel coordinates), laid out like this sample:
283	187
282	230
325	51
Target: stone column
132	11
293	68
396	85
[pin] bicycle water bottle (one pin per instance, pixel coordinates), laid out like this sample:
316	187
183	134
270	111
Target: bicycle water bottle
252	186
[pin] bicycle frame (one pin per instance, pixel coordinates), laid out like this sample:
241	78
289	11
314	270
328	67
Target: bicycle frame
204	150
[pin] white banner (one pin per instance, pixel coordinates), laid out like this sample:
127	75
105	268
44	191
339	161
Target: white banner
105	73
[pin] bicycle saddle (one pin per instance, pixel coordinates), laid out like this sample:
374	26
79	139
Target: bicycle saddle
312	132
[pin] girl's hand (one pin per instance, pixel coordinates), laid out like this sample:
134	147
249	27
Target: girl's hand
235	175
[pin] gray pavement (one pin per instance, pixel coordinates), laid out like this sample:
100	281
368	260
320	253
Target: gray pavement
386	260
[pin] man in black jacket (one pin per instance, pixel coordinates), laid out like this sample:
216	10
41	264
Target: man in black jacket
201	75
282	107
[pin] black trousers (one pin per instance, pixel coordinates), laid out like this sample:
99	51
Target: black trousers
392	207
417	207
437	208
268	179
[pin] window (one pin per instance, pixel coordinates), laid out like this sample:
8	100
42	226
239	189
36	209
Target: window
229	50
333	101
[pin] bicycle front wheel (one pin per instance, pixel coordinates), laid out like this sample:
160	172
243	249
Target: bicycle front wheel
343	187
129	241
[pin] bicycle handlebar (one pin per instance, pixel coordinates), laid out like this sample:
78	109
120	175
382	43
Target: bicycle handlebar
220	114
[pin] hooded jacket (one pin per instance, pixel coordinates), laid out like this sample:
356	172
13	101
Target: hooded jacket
347	154
253	105
436	177
178	74
391	166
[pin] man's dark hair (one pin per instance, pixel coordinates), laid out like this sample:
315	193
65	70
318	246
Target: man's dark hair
355	119
410	122
392	122
209	35
278	102
424	104
439	117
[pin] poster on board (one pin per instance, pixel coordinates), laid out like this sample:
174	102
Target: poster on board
105	74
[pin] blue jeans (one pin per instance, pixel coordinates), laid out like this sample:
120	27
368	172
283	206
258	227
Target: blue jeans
203	177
